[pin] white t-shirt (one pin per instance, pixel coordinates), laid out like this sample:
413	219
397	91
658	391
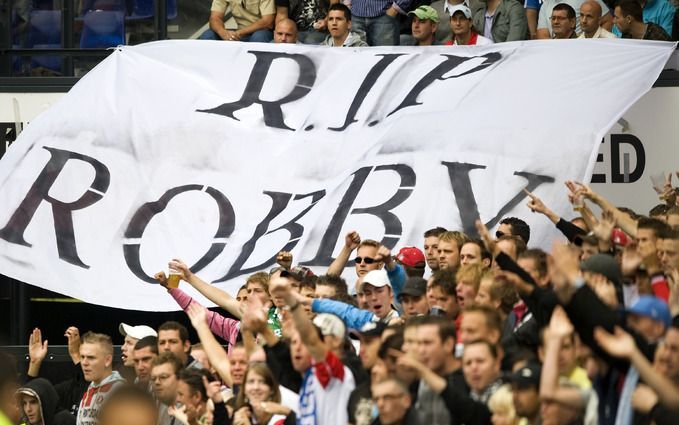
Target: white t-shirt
325	393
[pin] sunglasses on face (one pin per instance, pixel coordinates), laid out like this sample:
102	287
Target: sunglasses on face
499	234
366	260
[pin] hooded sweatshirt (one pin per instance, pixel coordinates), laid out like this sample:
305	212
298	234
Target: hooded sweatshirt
48	400
94	398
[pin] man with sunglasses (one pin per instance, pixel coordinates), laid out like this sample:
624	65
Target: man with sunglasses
370	255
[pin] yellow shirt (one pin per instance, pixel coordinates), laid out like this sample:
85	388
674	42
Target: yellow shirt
245	12
579	377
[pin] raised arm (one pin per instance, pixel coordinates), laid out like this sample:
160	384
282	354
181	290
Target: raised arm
622	345
626	223
37	351
351	241
215	352
280	287
559	328
211	292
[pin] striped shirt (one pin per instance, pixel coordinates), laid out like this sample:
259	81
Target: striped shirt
375	8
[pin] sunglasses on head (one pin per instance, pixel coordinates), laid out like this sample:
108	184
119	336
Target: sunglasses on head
366	260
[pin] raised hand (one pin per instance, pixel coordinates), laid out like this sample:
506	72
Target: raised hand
604	227
384	255
603	288
534	203
284	259
242	416
486	238
73	336
161	277
197	314
644	399
631	259
37	348
519	284
182	268
352	240
179	413
559	325
254	318
620	344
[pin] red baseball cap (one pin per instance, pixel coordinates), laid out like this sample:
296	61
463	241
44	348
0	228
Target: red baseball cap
619	238
410	256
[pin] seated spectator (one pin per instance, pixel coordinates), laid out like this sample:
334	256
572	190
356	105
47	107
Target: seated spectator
501	20
590	17
339	27
464	33
309	17
563	22
425	21
532	10
629	20
545	30
285	31
38	401
659	12
255	19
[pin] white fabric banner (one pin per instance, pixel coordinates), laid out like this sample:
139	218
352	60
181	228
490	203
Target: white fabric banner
223	154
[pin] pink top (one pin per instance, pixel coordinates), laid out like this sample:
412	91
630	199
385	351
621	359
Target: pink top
221	326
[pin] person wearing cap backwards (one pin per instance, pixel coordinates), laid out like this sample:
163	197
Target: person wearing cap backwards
327	382
424	25
132	334
38	401
379	296
412	260
463	30
413	298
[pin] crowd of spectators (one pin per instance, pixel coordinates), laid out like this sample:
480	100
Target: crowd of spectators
359	23
468	329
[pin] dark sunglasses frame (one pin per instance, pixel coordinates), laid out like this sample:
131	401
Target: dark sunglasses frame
366	260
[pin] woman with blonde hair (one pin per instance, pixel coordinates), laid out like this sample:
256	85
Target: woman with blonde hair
501	405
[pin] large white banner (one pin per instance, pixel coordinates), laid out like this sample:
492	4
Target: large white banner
223	154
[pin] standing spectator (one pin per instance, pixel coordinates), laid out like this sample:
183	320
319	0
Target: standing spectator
463	30
514	226
413	298
309	17
129	405
285	31
393	402
145	350
563	22
431	236
545	25
378	19
132	334
590	17
39	402
96	354
424	25
501	20
629	20
259	397
526	392
164	377
327	381
481	368
174	337
409	257
451	242
255	20
339	27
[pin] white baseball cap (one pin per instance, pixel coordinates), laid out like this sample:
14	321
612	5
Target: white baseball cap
377	278
451	9
330	325
136	332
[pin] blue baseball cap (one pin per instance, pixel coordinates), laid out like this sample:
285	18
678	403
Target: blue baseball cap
653	307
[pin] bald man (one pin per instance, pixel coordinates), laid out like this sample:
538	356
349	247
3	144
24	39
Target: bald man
285	31
590	21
